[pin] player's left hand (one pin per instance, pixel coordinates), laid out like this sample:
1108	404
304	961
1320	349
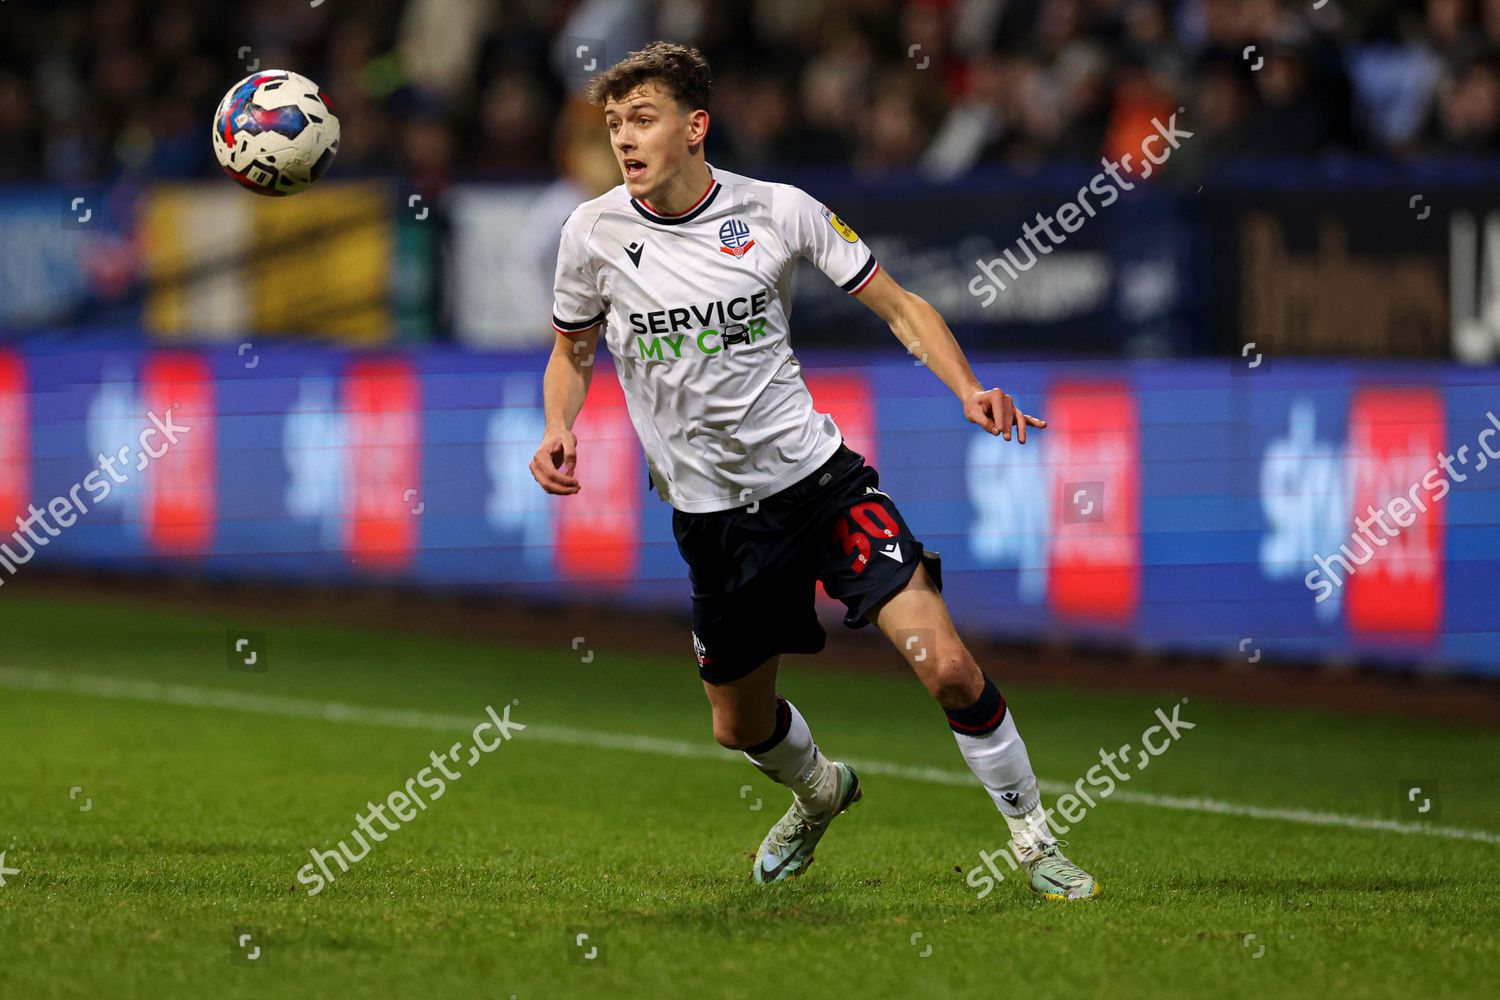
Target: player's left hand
996	412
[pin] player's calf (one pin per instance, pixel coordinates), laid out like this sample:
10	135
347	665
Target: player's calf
821	790
790	757
985	731
990	743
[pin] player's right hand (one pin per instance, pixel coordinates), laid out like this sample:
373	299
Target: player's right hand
553	464
996	411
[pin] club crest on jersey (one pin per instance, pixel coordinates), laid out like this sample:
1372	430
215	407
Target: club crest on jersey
735	236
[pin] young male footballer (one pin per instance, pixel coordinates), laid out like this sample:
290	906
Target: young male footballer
687	269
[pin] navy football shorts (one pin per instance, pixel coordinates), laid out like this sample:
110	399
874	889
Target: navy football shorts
754	572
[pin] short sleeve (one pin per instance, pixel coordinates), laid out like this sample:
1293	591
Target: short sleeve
576	305
829	242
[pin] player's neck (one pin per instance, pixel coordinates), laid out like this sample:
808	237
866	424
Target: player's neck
684	191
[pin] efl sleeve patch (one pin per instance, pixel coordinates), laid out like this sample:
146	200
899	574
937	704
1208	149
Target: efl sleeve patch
826	240
840	226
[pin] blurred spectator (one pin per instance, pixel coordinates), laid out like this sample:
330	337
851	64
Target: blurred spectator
432	90
1467	115
515	124
894	128
20	137
1298	112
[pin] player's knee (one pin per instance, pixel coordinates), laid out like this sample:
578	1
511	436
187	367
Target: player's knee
727	734
734	732
954	680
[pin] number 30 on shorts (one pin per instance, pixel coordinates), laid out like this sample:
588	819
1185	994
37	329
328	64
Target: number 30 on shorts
859	524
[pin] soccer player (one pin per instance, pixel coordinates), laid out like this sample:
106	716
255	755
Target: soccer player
687	270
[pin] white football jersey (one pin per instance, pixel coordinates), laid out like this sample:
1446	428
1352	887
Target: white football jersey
695	309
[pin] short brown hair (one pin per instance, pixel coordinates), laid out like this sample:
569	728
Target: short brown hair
681	70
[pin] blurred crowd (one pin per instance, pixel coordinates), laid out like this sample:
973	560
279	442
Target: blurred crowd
432	90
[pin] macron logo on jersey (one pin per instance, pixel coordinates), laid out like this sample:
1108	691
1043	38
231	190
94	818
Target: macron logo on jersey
634	252
735	235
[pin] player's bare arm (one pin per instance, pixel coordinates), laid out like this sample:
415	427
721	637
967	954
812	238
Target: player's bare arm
564	387
924	333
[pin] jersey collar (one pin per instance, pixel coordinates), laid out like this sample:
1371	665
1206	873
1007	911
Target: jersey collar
699	207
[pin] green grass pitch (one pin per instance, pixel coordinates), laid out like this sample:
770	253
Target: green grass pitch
199	792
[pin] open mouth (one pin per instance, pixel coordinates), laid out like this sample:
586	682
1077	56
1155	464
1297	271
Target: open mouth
633	169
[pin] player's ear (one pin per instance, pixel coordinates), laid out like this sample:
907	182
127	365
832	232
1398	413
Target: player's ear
697	126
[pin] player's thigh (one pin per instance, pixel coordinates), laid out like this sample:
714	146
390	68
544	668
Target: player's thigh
916	619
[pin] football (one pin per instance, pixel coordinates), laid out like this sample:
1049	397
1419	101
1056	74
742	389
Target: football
275	132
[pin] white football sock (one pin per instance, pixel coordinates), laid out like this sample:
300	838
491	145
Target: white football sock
796	762
1000	762
998	757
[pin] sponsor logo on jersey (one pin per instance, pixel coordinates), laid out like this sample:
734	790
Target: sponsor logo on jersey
739	309
665	334
841	227
708	342
735	236
634	252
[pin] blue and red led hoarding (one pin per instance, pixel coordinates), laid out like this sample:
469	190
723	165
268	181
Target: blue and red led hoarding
1168	505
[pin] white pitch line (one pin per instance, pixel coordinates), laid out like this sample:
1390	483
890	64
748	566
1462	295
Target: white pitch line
96	686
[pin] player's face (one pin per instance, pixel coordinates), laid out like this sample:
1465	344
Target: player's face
651	136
